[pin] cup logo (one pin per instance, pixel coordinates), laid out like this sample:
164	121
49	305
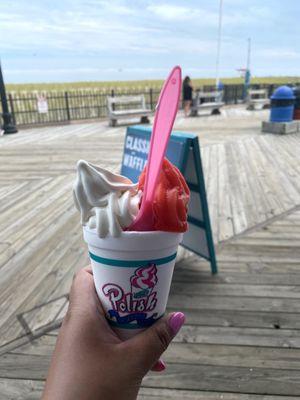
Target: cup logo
133	307
143	281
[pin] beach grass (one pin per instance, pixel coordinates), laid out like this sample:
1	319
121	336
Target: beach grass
142	84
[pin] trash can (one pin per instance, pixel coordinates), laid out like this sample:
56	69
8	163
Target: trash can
282	105
297	103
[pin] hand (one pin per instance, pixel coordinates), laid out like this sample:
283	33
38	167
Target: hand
91	362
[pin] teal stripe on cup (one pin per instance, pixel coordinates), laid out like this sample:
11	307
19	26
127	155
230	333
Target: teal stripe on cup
131	263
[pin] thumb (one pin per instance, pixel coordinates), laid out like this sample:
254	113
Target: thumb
146	348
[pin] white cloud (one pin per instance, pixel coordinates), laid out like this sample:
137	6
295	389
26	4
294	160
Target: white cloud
171	12
110	6
205	17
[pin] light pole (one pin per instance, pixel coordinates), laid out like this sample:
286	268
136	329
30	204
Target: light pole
219	44
8	126
247	72
249	53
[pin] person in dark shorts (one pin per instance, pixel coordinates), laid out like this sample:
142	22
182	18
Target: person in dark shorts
187	94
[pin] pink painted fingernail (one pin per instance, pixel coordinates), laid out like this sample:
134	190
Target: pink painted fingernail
160	366
176	321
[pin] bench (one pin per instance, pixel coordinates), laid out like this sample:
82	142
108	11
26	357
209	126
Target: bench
208	102
257	99
119	107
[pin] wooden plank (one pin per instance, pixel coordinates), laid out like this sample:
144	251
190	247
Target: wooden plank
290	194
240	319
271	183
15	366
14	197
252	275
237	356
231	262
246	191
225	222
23	209
258	337
230	379
240	290
30	226
44	287
31	276
265	208
21	389
259	168
238	303
193	377
42	346
201	354
260	210
252	254
205	155
43	315
238	212
286	150
212	190
179	394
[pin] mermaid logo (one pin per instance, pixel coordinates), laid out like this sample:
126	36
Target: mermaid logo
143	281
133	307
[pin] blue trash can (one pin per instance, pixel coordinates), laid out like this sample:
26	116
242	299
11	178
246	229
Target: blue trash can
282	105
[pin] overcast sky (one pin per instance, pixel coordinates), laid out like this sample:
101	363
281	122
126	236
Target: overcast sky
72	40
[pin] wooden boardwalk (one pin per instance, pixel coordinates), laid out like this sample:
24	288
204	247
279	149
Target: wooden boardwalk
242	337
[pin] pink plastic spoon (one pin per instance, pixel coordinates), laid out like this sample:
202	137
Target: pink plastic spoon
165	114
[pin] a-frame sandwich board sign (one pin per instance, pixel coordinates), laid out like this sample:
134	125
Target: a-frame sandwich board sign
183	151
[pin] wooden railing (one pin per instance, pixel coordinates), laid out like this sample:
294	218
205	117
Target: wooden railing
72	105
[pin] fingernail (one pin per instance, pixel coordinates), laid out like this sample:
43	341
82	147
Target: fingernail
176	321
160	365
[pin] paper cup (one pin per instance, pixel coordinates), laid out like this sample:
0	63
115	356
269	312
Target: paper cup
132	275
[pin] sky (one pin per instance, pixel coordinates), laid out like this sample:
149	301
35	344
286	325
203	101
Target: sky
87	40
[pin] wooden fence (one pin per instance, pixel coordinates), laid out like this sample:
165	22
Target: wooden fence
84	104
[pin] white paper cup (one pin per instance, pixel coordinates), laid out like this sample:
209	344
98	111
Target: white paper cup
132	275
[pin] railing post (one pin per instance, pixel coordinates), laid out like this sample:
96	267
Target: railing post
113	95
67	106
225	94
11	106
8	126
151	98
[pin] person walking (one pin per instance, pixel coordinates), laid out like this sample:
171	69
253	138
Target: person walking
187	94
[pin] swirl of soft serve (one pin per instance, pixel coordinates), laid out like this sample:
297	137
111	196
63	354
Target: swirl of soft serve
108	202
